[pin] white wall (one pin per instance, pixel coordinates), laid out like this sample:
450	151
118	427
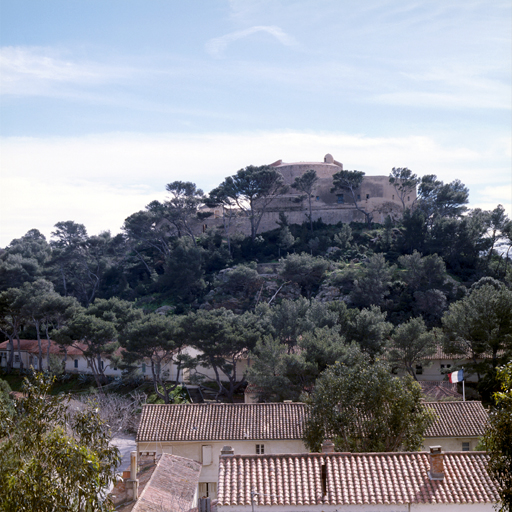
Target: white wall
434	372
210	473
450	444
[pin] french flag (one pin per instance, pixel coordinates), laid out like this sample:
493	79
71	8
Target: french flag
456	376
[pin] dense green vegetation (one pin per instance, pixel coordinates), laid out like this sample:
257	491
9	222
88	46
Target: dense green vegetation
292	299
51	458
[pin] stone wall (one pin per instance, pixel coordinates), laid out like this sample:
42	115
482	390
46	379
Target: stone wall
376	196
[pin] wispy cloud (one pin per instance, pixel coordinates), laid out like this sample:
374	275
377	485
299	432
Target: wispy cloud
217	46
39	70
451	87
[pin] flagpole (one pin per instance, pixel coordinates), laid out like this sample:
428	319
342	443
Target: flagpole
463	387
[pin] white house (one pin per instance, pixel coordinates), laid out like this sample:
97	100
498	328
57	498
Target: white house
440	363
75	360
459	425
199	431
362	482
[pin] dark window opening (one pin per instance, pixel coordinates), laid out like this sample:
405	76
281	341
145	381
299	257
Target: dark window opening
367	196
341	199
76	363
318	198
465	447
419	369
260	449
359	197
324	480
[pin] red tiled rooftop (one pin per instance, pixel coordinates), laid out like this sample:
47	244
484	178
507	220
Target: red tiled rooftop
440	354
439	389
172	485
224	422
206	422
32	347
457	419
353	479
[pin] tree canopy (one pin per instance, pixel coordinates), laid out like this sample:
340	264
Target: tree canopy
498	437
51	460
362	407
251	189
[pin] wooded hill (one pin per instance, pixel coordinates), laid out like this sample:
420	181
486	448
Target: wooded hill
296	296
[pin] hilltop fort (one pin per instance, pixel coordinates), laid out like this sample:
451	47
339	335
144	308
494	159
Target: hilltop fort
376	196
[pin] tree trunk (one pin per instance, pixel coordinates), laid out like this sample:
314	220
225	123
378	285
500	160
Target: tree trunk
40	356
48	347
19	351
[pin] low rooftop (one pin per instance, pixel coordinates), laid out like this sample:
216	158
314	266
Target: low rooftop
353	479
208	422
225	422
172	486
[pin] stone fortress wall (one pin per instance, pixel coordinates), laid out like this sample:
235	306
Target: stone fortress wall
376	194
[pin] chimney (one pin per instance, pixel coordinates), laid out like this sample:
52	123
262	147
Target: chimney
327	446
436	463
227	450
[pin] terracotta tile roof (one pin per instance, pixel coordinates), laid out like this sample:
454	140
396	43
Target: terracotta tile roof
440	354
439	389
353	479
172	486
457	419
237	422
208	422
32	347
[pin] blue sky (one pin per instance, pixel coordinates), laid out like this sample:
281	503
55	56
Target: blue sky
103	103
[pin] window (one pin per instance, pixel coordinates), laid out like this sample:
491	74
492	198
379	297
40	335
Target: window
260	449
16	358
465	447
359	197
76	363
442	367
206	455
101	365
318	198
448	366
408	198
393	196
341	199
367	196
419	369
207	490
143	367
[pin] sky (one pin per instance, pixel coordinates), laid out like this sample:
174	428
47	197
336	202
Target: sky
102	103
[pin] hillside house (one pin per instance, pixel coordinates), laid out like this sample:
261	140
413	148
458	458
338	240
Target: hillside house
441	363
199	431
75	362
362	482
459	427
